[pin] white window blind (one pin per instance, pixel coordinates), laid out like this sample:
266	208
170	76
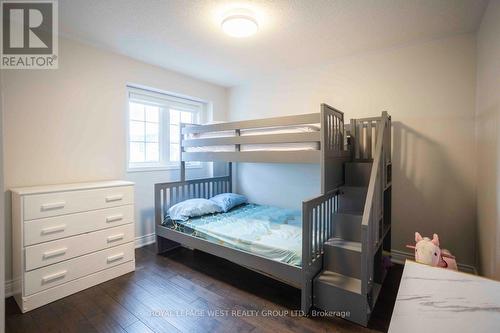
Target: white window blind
154	128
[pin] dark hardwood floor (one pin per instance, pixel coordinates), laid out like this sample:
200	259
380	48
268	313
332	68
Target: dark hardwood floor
189	291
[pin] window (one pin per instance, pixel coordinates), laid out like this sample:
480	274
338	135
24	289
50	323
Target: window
154	128
144	133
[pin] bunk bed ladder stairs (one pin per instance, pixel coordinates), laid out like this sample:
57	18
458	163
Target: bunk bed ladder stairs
354	258
338	287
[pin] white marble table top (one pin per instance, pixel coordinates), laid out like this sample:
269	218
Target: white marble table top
432	299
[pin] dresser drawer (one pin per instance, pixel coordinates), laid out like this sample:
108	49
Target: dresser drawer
57	274
51	228
49	253
54	204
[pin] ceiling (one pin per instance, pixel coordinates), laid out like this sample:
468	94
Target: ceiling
185	35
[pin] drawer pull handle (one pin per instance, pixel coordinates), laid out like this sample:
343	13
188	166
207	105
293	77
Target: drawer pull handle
54	229
55	276
54	205
115	238
54	253
114	218
112	198
116	257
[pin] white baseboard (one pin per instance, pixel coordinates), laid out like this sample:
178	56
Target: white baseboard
399	257
145	240
10	287
140	241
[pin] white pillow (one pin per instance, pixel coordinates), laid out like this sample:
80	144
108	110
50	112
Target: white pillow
191	208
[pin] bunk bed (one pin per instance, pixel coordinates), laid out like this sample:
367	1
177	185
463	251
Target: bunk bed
308	138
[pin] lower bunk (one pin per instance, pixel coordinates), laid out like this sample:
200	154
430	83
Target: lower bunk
284	244
270	232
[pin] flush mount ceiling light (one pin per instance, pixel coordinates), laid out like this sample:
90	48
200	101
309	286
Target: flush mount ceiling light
239	24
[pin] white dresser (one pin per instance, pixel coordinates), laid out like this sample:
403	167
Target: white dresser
67	238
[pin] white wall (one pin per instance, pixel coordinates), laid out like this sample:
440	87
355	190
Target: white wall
488	140
278	184
428	88
68	125
2	217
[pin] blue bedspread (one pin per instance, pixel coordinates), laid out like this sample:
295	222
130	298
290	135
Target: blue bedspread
270	232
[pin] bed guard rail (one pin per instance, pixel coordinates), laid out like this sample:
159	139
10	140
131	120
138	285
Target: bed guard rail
317	228
329	139
334	152
237	126
317	218
372	226
363	133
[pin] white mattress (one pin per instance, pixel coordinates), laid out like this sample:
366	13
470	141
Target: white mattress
259	131
259	147
282	130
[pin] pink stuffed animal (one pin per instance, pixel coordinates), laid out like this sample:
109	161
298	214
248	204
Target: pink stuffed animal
427	251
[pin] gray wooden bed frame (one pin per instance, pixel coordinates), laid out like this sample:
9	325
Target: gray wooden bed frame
317	213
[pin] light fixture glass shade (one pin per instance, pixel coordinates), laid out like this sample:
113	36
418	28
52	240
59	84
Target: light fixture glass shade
239	26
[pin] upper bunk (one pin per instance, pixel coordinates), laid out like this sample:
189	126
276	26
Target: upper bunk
305	138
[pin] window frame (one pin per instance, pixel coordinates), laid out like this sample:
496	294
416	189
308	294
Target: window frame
165	102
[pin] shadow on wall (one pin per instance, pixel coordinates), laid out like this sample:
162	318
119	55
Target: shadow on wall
8	235
147	218
429	196
487	189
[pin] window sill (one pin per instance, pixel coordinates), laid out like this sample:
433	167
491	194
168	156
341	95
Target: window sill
160	168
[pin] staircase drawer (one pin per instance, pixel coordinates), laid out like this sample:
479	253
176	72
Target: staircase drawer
59	250
335	292
55	204
48	229
57	274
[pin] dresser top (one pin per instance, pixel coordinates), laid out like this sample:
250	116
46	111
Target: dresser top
445	301
69	187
